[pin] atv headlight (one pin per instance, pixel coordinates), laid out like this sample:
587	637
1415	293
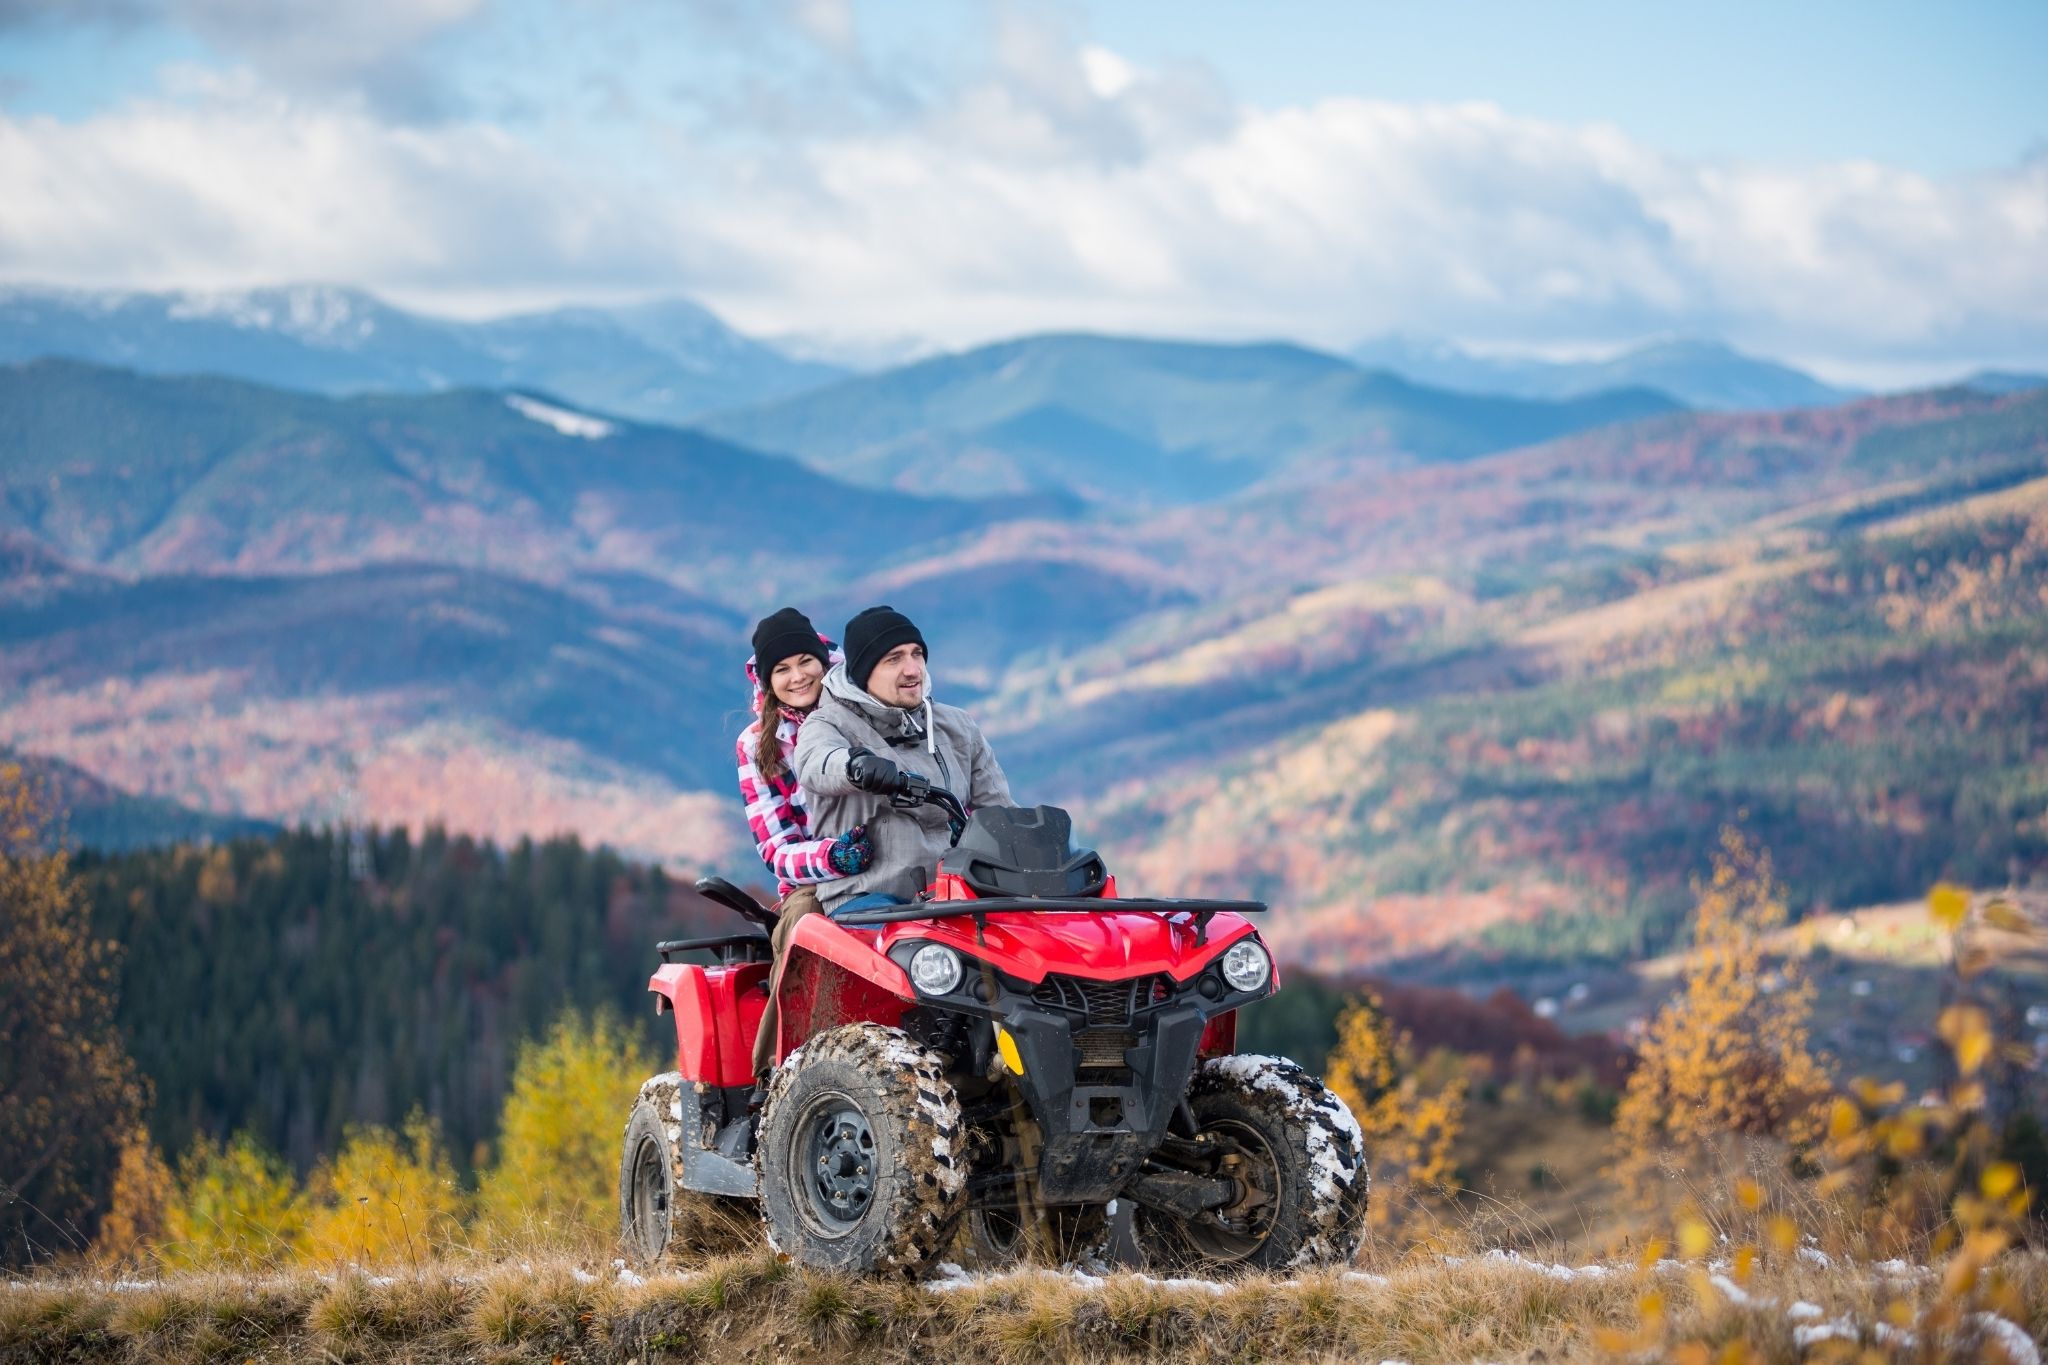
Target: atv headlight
1246	966
934	969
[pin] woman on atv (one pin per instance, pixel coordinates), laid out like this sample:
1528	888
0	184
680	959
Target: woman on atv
788	674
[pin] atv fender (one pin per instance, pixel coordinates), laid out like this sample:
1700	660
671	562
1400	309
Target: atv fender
832	977
717	1010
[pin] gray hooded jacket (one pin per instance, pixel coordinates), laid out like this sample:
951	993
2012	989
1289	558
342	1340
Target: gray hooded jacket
939	742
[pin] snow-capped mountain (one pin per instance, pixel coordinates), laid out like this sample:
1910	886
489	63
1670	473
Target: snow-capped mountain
664	361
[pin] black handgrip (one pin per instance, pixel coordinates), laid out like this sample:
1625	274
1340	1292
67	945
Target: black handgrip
739	902
720	943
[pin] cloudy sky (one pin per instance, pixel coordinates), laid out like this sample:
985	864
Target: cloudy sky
1862	187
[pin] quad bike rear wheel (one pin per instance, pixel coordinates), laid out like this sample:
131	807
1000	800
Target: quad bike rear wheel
1298	1161
659	1218
997	1235
861	1159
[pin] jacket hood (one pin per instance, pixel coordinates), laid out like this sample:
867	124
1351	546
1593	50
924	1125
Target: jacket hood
915	724
835	662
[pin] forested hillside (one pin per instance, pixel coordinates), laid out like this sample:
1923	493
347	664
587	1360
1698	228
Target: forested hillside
1857	680
1417	699
263	988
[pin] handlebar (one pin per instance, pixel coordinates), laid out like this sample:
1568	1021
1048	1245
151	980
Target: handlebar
915	790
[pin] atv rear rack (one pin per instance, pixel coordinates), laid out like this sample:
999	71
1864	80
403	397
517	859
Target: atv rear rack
979	910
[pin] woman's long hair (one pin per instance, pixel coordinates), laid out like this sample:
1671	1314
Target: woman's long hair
768	744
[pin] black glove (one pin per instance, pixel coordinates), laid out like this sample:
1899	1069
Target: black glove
872	773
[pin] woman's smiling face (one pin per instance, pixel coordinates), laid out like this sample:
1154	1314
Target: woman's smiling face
797	680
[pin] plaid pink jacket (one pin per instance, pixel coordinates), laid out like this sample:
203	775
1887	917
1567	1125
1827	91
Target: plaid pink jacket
775	806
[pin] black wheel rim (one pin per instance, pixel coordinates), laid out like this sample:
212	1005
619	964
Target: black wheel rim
650	1197
1237	1230
836	1167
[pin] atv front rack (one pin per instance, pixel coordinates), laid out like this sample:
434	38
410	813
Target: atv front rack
978	910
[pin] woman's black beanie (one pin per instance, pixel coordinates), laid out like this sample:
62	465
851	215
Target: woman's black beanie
874	633
777	637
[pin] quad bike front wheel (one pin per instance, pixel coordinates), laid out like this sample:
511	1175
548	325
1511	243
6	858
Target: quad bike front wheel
1297	1160
658	1218
860	1159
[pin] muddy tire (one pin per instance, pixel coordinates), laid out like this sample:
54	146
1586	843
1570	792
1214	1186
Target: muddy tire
658	1218
996	1237
1303	1176
861	1161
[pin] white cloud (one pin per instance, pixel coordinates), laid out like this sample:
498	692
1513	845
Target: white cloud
1061	186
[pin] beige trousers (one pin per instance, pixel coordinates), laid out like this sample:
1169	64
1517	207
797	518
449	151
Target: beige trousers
798	903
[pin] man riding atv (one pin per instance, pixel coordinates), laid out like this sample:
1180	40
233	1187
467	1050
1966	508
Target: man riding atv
984	1034
876	721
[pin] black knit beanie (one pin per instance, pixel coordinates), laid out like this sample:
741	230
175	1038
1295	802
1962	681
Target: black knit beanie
874	633
787	632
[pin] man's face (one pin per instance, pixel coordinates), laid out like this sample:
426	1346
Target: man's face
899	679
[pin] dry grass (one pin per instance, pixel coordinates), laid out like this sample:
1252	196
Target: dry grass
747	1308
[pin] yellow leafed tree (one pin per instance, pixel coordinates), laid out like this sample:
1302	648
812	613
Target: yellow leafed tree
558	1139
68	1092
143	1191
235	1205
1409	1130
386	1198
1728	1057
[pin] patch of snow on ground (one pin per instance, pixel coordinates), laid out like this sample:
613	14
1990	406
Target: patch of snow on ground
2010	1337
951	1276
1555	1272
1815	1256
1841	1329
1206	1286
1364	1277
1904	1270
1803	1311
561	419
1735	1293
627	1277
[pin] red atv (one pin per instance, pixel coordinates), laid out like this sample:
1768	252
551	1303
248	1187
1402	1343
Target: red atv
1016	1048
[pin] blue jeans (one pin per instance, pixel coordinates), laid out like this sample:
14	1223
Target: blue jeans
871	900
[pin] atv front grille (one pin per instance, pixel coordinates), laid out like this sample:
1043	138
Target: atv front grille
1104	1003
1103	1048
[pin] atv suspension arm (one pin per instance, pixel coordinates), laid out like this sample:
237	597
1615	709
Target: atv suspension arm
1181	1192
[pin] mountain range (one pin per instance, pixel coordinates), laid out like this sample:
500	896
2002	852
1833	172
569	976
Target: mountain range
1425	669
1125	420
661	362
1696	372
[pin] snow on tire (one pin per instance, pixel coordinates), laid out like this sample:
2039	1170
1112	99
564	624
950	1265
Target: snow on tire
1305	1179
861	1159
